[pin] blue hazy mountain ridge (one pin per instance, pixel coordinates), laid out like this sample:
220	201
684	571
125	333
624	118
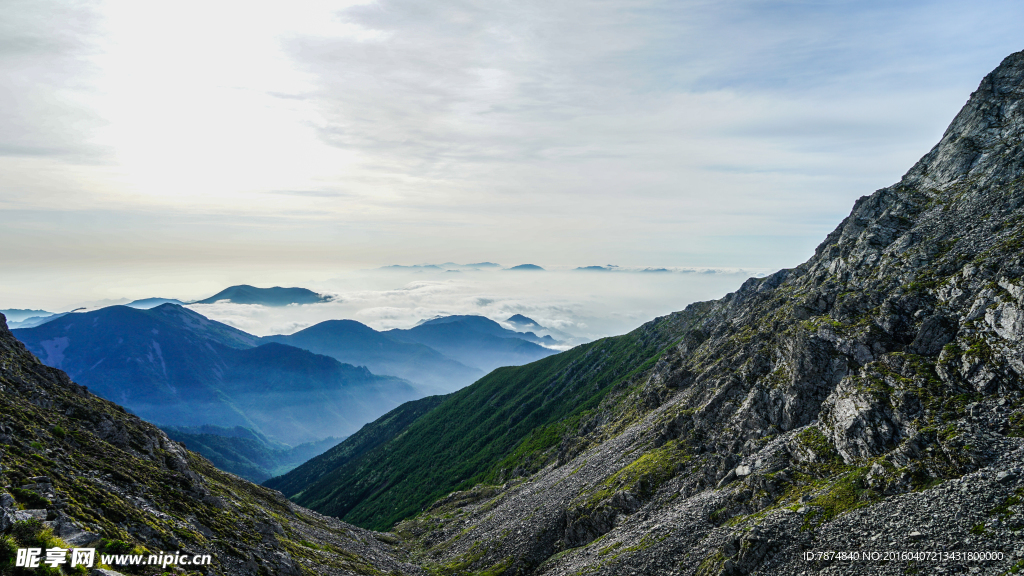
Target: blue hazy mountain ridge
525	323
520	321
276	296
487	326
172	366
34	321
475	341
20	314
245	452
525	267
147	303
356	343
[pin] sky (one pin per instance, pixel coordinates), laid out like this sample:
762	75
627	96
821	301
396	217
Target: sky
172	149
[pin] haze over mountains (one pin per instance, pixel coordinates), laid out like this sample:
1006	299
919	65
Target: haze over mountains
176	368
355	343
147	303
173	367
246	452
18	315
571	306
476	341
241	294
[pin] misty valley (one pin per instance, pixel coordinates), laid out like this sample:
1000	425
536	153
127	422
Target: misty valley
260	406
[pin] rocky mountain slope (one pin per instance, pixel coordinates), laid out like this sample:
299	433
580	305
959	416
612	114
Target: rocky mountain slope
868	401
79	471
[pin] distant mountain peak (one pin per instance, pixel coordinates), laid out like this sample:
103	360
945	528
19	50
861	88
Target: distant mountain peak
522	321
525	267
276	296
146	303
471	318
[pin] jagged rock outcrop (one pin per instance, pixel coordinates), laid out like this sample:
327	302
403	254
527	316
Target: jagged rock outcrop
83	470
868	400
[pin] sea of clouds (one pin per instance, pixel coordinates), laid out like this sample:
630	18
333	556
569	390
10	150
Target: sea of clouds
574	305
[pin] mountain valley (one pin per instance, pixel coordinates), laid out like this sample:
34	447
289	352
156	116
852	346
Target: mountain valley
868	401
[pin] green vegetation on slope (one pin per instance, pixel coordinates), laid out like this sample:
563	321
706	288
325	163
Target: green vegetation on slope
463	440
366	439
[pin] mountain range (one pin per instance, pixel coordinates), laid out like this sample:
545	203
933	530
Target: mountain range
241	294
355	343
20	314
476	341
440	355
175	367
147	303
868	402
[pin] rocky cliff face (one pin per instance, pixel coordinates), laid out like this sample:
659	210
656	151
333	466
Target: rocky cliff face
868	400
81	469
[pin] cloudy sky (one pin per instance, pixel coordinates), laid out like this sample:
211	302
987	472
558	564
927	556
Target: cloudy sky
170	149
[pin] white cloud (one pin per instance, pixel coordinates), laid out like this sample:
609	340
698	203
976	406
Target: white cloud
563	299
207	139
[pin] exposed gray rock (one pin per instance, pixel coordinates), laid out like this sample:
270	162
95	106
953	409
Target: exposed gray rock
38	514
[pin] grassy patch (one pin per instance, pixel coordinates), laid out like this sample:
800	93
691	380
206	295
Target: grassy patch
847	493
644	475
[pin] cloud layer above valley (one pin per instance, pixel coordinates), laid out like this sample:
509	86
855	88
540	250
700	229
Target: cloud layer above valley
582	305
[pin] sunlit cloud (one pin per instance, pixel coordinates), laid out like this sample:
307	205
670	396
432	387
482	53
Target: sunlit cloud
229	141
